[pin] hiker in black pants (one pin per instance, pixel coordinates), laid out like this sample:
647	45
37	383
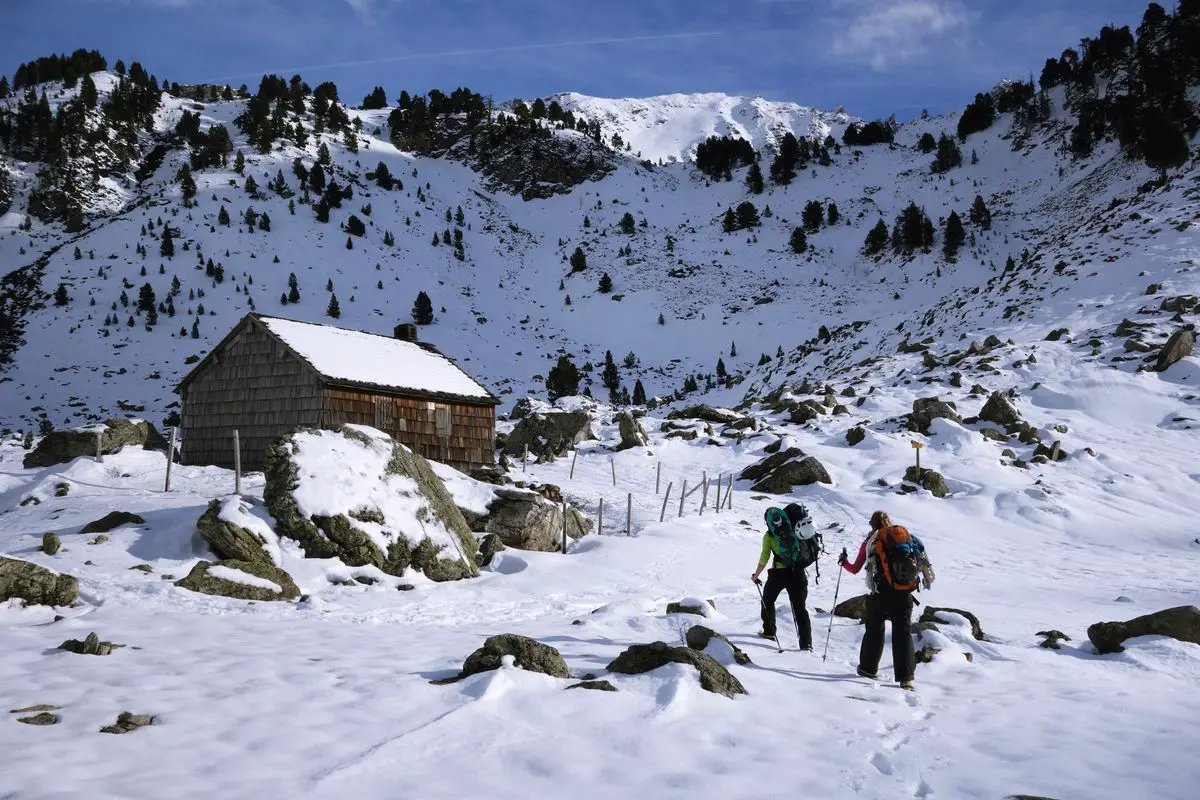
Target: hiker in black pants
782	576
886	604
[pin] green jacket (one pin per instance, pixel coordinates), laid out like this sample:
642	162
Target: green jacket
771	548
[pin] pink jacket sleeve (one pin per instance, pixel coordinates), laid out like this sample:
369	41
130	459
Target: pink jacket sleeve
859	560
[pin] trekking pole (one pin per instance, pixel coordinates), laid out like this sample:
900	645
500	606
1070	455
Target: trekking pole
763	603
836	589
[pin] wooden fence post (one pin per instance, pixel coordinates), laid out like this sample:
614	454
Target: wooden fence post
663	514
612	462
729	493
682	496
629	514
574	455
99	447
524	458
237	463
658	478
600	519
564	531
704	492
170	459
720	483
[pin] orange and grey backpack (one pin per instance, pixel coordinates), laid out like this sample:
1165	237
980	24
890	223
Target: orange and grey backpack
899	558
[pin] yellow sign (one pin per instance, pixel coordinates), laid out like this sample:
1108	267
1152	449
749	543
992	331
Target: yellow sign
917	445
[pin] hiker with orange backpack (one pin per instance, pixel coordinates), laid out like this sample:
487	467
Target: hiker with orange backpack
896	566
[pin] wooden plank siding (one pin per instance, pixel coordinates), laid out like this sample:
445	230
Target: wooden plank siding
256	385
457	434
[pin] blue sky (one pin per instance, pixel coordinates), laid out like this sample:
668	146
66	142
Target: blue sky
874	57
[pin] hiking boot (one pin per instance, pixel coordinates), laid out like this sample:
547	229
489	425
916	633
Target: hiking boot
862	673
806	649
906	686
765	635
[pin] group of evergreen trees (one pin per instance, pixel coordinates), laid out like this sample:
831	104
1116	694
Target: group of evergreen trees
718	156
914	230
876	132
746	216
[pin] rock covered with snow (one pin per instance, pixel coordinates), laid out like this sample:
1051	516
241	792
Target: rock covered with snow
356	495
241	580
999	409
526	520
549	435
926	409
35	585
510	649
233	533
632	434
1181	623
60	447
642	658
779	472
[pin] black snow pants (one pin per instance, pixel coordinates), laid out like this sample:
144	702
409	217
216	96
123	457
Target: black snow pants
883	606
795	582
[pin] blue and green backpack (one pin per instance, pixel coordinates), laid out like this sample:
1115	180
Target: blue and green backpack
798	540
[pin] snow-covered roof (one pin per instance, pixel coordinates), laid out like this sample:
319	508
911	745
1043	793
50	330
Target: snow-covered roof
369	360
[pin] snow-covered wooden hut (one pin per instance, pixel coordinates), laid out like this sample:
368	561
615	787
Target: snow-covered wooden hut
271	376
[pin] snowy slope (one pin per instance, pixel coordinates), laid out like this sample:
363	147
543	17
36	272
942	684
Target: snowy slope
670	127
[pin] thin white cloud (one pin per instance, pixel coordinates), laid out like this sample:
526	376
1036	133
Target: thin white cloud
883	33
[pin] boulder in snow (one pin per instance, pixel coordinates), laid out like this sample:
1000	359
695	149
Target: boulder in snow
932	482
1179	346
632	434
528	654
1181	623
699	637
35	585
114	519
1051	642
999	409
854	608
927	409
934	614
778	473
356	495
127	722
642	658
51	543
60	447
89	646
549	435
600	686
241	580
219	527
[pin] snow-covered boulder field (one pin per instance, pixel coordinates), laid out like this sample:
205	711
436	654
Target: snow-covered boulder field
356	495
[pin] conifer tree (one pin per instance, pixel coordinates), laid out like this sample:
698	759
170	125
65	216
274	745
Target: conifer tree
333	309
954	237
980	216
355	226
877	239
721	368
729	223
661	319
78	254
834	214
605	285
747	215
251	186
562	380
239	163
754	179
578	260
812	216
60	295
628	226
610	377
166	246
798	241
422	310
293	289
196	329
927	144
222	216
733	350
639	393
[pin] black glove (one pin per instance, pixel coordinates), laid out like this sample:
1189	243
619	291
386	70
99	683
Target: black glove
842	559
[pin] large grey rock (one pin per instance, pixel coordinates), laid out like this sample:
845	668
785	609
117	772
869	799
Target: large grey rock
89	646
932	482
199	580
127	722
1179	346
927	409
113	519
1181	623
529	654
936	615
632	434
699	637
230	541
60	447
721	416
51	543
1053	452
341	535
641	658
855	435
778	473
854	608
526	520
1000	410
549	435
35	585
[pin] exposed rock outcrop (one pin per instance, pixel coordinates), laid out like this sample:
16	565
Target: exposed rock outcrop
60	447
528	654
632	434
525	520
1178	347
228	540
35	585
927	409
550	435
396	514
778	473
256	581
1000	410
641	658
1181	623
